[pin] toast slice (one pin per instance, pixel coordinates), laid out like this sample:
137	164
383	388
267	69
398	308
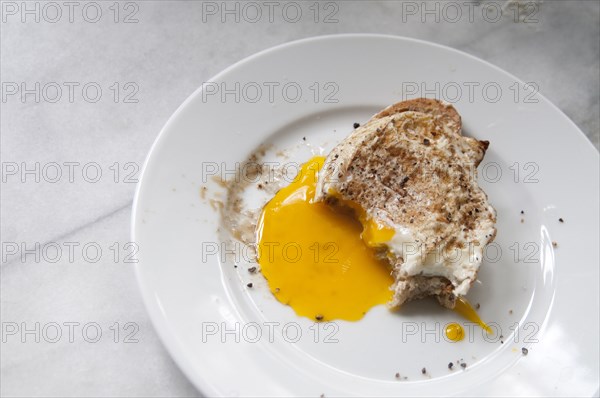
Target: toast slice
411	176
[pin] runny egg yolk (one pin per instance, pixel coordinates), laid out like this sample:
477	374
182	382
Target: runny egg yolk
373	233
464	309
313	256
455	332
320	260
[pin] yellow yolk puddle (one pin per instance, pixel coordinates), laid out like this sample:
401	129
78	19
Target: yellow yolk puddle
465	309
455	332
313	257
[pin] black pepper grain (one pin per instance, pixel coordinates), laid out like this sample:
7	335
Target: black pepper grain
426	141
463	365
319	317
424	371
356	125
252	270
561	220
450	365
525	351
249	284
522	212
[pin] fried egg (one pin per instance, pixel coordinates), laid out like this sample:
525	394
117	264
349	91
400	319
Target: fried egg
321	260
393	207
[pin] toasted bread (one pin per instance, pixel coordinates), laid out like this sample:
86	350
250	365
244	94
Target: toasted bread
410	169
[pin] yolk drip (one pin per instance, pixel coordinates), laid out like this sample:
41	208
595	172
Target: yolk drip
455	332
464	309
373	234
313	256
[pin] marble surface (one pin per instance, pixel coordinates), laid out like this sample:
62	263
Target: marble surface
172	48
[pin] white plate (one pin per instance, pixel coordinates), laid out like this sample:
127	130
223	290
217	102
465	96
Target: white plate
551	293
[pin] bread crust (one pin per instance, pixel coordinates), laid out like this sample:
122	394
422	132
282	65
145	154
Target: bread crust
446	113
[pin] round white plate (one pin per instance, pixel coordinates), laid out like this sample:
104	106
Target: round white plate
232	340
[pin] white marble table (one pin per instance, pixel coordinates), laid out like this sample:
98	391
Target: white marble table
154	64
